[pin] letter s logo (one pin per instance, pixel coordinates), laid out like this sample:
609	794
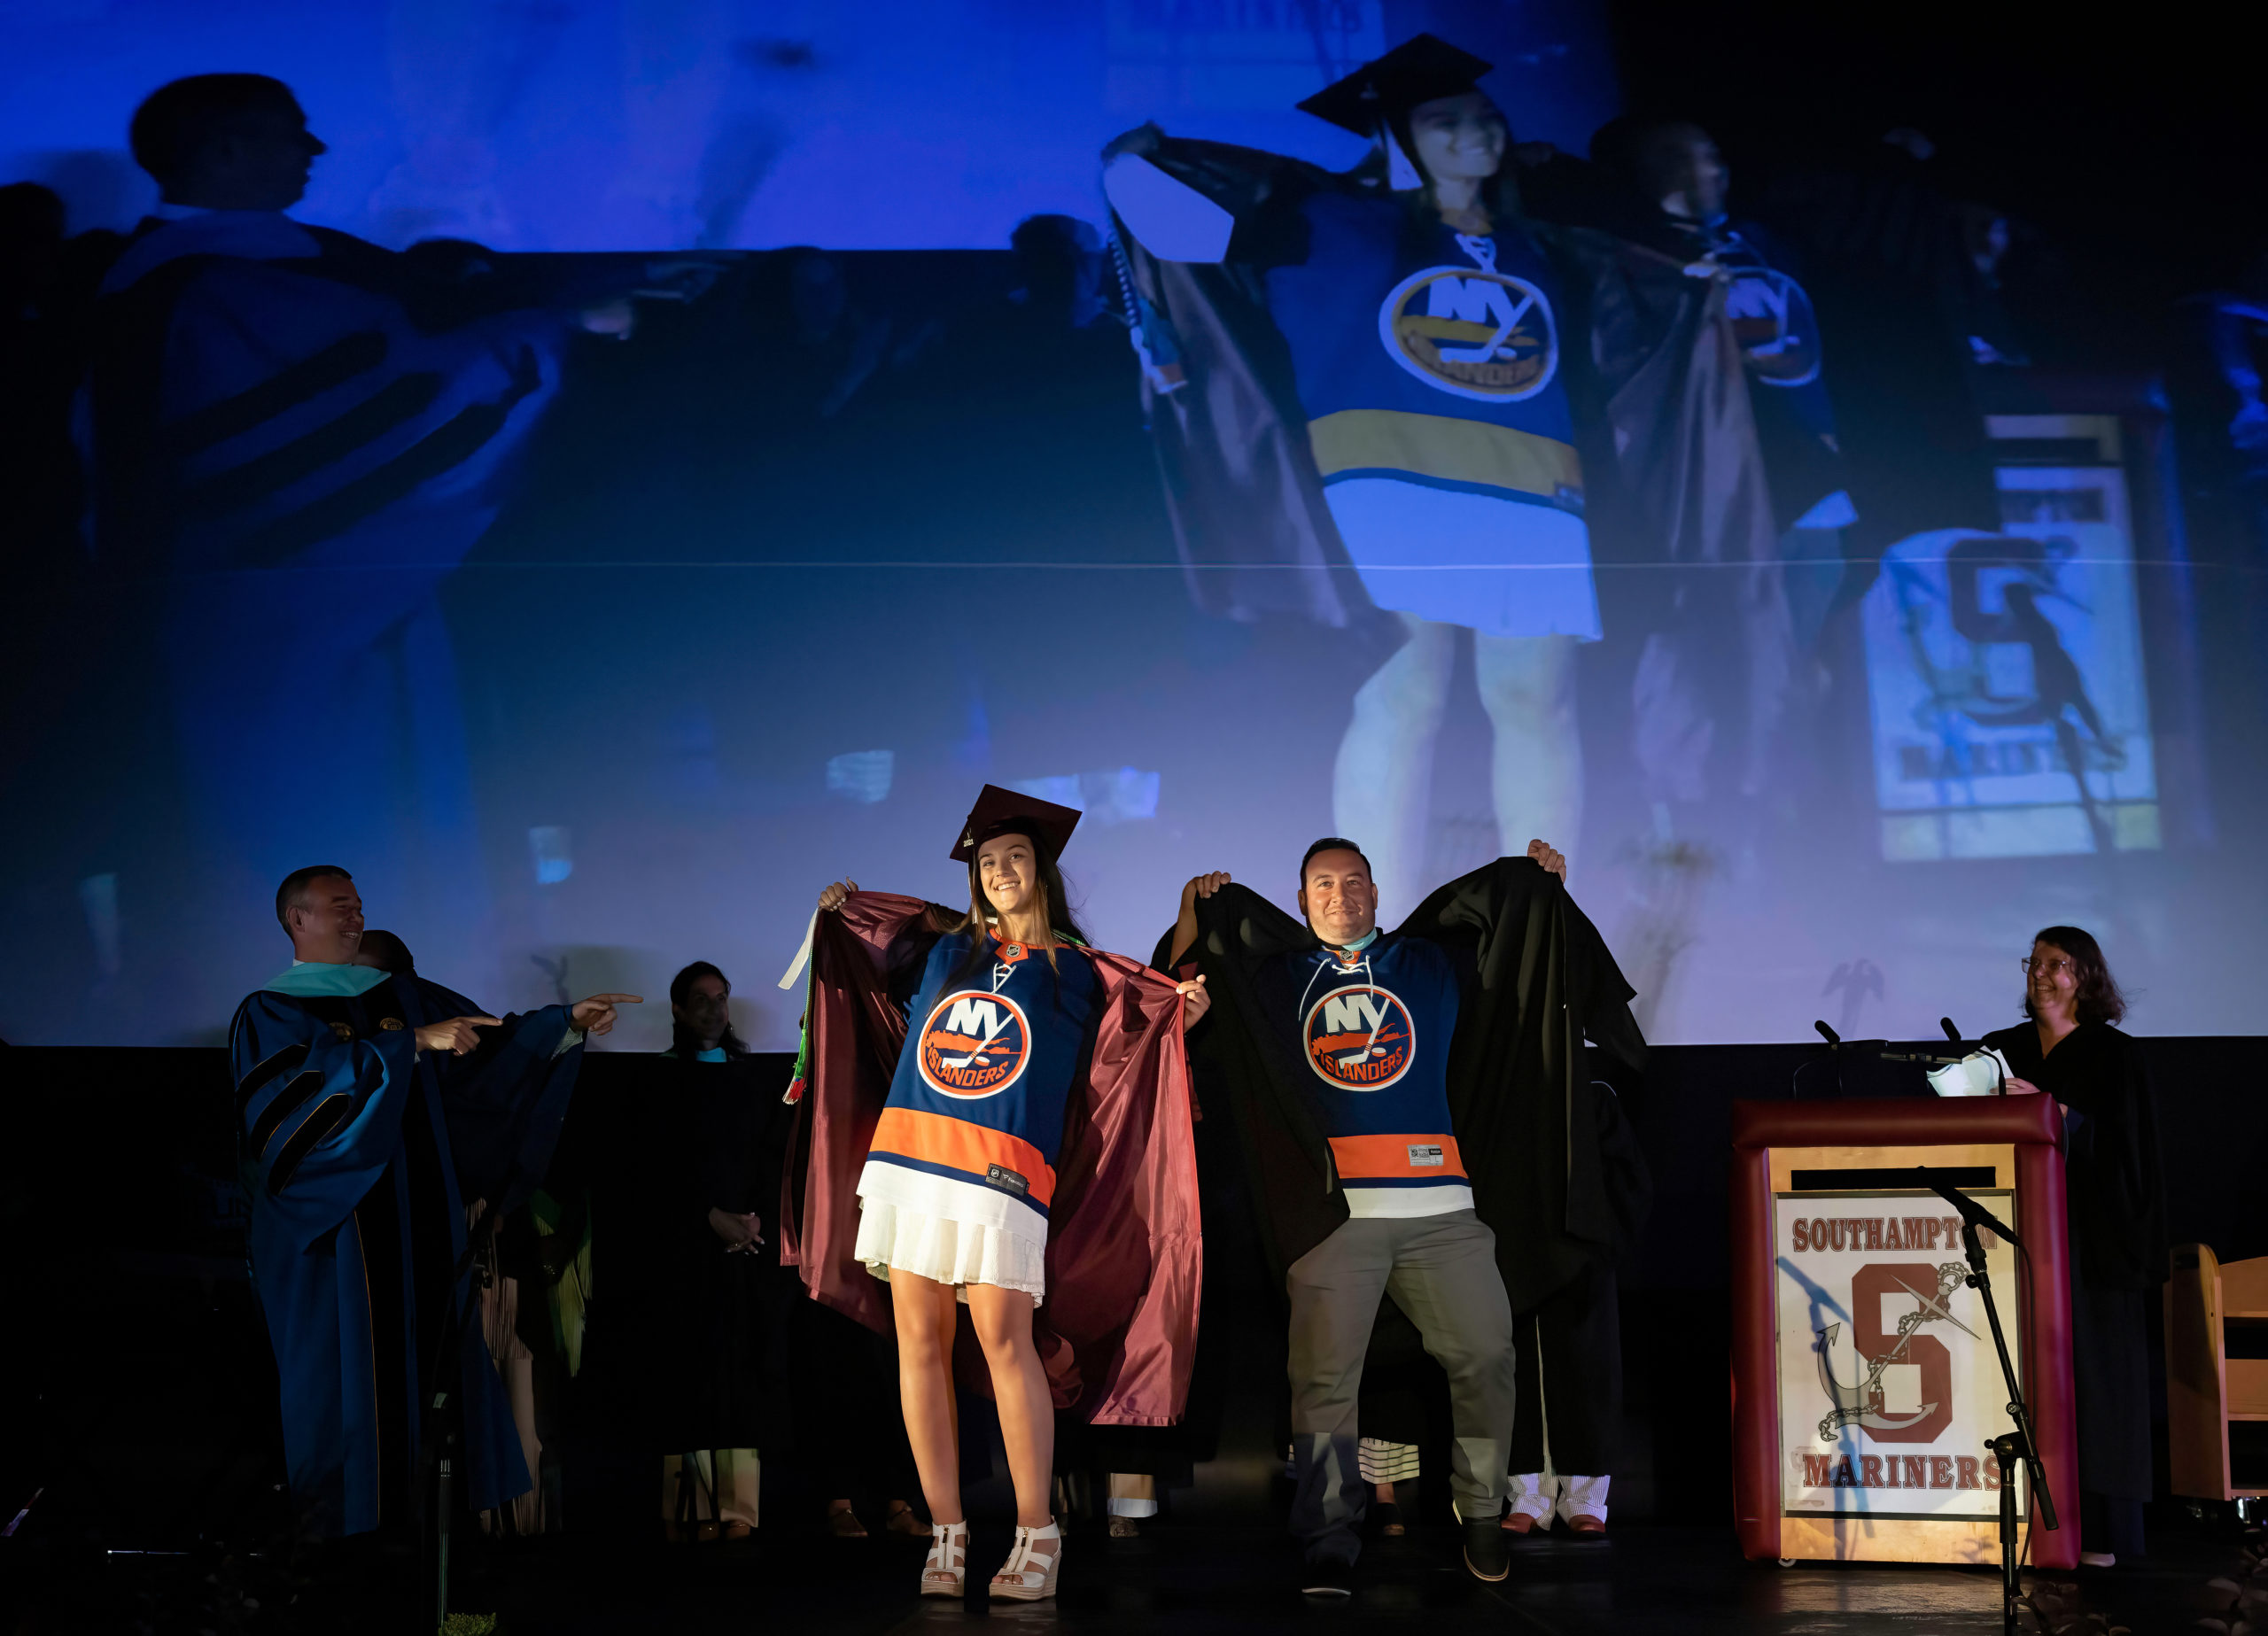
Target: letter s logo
1870	1339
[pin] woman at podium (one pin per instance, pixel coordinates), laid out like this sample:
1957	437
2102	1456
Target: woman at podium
2070	1049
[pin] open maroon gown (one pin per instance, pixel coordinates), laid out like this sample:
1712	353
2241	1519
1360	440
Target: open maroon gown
1118	1330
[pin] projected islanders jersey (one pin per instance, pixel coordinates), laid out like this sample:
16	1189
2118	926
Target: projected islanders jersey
975	1113
1372	1032
1429	366
1774	322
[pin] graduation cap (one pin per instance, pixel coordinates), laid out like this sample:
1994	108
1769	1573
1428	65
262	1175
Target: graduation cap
1422	68
1003	811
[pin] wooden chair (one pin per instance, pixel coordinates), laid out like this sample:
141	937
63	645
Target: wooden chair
2205	1388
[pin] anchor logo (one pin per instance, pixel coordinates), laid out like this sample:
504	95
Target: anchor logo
1861	1404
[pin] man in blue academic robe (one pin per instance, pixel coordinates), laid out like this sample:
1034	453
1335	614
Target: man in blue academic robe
371	1111
295	437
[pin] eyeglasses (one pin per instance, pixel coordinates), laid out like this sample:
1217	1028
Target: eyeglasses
2050	967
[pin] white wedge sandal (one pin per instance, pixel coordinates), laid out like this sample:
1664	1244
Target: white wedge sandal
946	1571
1028	1576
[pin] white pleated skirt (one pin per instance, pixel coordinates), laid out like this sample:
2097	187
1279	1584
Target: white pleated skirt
910	1223
1501	567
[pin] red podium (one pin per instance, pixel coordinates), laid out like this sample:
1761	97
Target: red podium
1865	1383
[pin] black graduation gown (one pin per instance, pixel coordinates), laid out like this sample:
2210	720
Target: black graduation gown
2117	1204
1556	1170
702	1336
1675	477
1886	263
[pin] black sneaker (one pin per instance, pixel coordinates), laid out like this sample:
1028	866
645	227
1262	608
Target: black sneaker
1328	1579
1487	1554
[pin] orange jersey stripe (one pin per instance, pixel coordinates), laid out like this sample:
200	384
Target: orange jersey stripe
937	1139
1361	1156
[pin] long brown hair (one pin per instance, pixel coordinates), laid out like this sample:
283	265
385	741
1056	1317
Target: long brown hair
2097	993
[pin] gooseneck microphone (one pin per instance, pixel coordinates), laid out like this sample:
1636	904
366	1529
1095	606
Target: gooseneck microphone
1952	1033
1827	1034
1971	1212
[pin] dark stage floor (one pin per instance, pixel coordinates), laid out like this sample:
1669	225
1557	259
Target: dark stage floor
146	1420
1193	1580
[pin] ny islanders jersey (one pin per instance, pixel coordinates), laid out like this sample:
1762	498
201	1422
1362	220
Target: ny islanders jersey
974	1118
1773	320
1371	1033
1431	357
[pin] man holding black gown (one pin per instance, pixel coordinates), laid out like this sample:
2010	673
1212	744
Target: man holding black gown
371	1109
1417	1123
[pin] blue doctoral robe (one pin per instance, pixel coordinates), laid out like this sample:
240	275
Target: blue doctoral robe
359	1154
295	439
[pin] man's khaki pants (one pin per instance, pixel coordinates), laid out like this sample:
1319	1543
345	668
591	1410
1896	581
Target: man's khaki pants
1441	1272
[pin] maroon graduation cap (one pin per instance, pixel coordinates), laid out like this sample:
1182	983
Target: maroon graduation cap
1002	811
1422	68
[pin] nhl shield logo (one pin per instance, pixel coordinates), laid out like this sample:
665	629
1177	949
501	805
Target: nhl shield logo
973	1045
1771	319
1473	333
1360	1037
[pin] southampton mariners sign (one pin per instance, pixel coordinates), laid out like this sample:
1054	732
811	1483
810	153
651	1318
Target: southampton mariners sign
1889	1386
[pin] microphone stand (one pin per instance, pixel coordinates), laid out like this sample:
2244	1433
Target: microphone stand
2016	1447
438	1429
1836	1046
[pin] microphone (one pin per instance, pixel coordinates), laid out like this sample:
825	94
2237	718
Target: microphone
1952	1033
1835	1041
1971	1212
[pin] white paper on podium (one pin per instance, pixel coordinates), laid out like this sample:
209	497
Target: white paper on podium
1979	1074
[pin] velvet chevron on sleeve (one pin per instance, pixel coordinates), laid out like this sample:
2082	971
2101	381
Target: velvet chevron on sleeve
358	1227
318	1116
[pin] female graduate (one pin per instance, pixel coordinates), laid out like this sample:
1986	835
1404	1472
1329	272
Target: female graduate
2069	1049
1421	325
1034	1148
1359	385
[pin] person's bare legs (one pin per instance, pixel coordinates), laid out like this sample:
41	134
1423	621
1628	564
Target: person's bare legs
1003	1321
926	1316
1382	786
1527	687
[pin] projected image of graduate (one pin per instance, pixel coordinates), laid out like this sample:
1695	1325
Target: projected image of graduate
1431	447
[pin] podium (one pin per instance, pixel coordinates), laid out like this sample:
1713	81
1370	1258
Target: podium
1865	1384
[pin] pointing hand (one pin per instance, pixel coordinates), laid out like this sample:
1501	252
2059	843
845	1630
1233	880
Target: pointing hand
456	1035
596	1015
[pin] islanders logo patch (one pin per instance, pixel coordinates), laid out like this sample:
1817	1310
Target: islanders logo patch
1360	1038
1473	333
973	1045
1771	319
